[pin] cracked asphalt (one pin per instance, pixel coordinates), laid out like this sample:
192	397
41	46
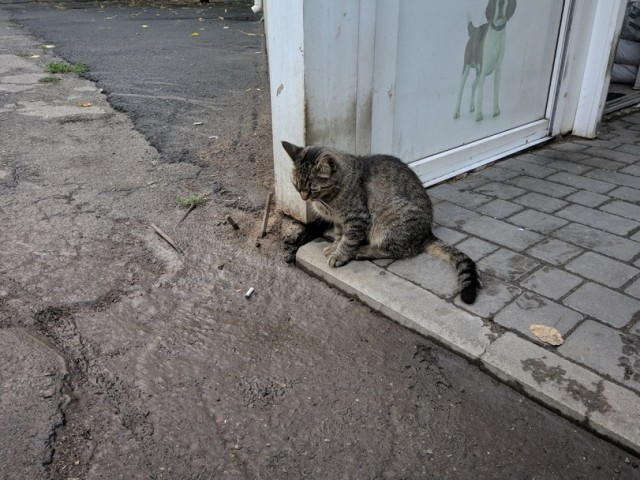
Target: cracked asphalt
120	358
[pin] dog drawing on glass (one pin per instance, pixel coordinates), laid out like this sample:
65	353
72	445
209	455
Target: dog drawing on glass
484	53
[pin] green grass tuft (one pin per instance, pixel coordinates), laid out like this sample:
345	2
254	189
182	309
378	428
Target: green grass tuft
64	67
189	201
49	80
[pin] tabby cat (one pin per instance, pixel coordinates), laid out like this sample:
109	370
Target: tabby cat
378	207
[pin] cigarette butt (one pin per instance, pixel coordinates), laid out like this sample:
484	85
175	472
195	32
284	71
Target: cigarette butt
249	292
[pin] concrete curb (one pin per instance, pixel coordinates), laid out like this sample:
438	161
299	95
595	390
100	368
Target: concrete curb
579	394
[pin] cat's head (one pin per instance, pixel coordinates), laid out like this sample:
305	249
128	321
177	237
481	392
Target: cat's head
315	173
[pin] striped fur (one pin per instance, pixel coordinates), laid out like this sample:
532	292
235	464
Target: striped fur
379	209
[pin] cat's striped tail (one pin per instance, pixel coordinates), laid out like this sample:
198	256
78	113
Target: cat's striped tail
463	265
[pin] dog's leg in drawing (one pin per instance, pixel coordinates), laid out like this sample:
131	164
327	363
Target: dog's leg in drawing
463	81
479	84
496	89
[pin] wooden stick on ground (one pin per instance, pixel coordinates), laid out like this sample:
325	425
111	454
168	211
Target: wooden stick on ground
168	239
231	222
186	214
265	218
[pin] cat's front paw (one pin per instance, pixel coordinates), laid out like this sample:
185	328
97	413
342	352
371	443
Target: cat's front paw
329	250
335	260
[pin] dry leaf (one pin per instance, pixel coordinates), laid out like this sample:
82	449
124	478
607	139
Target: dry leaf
48	46
34	56
145	26
195	34
84	104
546	334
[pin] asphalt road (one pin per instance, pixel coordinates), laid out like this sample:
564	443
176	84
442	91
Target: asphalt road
174	69
122	359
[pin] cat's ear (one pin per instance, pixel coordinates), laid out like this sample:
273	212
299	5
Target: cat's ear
327	166
292	150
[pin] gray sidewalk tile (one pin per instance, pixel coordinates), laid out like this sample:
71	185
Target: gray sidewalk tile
570	167
634	289
469	182
529	309
500	190
476	248
551	282
452	216
541	202
631	170
626	193
604	304
613	155
598	219
603	163
451	194
535	158
542	186
429	272
630	148
578	393
596	143
537	221
588	199
499	208
492	297
636	237
582	182
567	146
602	242
528	168
614	177
447	235
501	233
607	351
623	209
507	265
494	172
568	157
601	269
554	251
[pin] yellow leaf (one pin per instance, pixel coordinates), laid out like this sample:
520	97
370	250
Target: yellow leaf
84	104
48	46
145	26
546	334
195	34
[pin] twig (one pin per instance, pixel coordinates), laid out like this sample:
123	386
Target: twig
186	214
232	223
265	218
168	239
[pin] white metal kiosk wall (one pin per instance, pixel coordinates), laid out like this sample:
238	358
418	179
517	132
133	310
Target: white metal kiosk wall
445	86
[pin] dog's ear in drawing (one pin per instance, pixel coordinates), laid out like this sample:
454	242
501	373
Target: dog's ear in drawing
490	10
511	8
493	4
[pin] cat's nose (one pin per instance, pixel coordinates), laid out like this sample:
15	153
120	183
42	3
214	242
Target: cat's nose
304	195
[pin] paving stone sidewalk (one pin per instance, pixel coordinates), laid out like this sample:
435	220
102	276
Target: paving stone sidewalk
556	235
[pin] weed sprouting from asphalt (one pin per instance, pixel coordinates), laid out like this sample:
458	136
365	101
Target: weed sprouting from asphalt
49	80
191	200
64	67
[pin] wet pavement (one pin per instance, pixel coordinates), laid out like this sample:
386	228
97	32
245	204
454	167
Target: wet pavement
556	235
